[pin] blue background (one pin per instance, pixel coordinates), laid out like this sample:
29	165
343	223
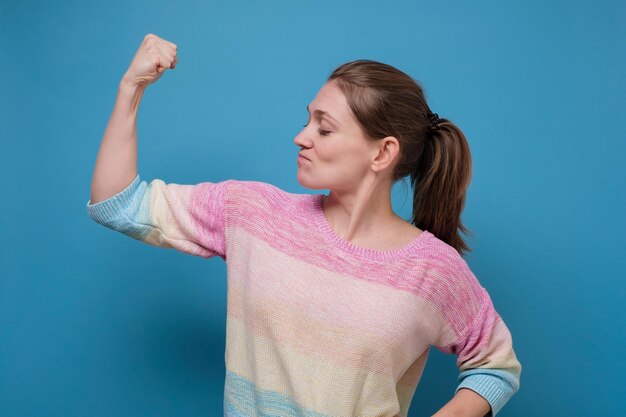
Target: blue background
93	323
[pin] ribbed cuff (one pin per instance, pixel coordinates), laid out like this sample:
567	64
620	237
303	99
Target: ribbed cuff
494	385
109	209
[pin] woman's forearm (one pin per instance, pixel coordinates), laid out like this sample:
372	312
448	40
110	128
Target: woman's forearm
465	403
116	163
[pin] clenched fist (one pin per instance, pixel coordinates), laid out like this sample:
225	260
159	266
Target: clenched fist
152	58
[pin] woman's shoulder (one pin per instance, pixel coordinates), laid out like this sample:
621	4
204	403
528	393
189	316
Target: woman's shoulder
439	251
264	196
444	261
261	189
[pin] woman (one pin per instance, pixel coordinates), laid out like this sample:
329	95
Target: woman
333	301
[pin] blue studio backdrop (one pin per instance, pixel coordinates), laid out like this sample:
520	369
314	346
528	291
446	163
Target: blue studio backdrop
93	323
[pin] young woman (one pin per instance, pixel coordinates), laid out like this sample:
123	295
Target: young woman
333	300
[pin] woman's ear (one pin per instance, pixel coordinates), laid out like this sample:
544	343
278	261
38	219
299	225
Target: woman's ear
385	152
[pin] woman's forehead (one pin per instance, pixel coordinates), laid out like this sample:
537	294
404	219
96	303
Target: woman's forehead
331	100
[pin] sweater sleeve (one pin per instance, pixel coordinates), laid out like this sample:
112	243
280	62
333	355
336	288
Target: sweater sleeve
482	342
188	218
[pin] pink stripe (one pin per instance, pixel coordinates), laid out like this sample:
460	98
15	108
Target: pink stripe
440	275
206	210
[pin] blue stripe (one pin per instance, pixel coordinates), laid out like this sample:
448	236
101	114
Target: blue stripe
243	399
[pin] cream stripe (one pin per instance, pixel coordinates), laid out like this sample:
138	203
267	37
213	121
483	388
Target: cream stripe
309	380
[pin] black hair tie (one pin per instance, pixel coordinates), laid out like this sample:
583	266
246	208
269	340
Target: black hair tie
433	119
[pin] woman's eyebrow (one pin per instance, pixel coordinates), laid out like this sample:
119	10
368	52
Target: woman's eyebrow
326	114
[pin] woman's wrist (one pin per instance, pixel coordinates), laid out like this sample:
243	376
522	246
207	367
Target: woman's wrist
129	87
130	92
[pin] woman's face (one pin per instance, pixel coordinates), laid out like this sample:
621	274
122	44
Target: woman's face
338	154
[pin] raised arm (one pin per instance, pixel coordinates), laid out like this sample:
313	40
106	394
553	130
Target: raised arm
187	217
116	163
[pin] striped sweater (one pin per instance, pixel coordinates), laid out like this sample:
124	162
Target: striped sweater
317	326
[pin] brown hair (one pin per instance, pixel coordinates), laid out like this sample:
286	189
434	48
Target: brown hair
387	102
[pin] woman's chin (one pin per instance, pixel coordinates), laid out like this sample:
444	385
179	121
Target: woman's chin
307	183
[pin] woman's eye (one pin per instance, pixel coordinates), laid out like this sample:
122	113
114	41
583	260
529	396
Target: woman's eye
320	131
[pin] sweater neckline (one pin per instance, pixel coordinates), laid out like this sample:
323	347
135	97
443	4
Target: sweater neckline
387	255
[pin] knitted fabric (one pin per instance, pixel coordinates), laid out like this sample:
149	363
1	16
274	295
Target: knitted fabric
317	326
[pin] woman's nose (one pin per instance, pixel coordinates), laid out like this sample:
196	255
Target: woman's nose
301	139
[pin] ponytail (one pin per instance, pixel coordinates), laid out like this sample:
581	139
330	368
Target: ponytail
440	181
